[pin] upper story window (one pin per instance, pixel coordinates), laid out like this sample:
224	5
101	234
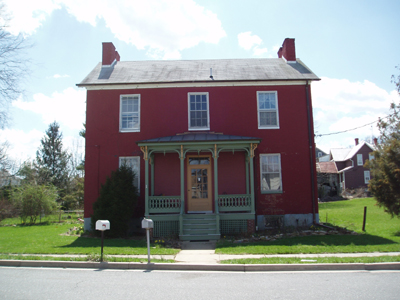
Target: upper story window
271	177
129	119
267	108
359	159
199	114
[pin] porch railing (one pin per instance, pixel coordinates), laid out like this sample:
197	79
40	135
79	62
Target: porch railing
164	204
228	203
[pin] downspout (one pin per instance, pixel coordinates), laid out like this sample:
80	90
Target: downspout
312	160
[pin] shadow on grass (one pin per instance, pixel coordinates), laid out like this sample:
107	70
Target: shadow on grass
96	242
325	240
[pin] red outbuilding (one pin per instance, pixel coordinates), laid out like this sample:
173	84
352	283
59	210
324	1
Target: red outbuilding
218	146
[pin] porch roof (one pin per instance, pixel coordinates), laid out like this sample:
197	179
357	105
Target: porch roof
200	141
195	137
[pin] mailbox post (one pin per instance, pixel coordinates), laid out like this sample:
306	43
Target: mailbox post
147	224
102	225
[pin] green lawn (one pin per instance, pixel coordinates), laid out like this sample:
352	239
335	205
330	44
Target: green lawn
382	233
49	239
319	260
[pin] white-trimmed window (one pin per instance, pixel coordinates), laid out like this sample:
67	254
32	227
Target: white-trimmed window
134	163
371	156
359	159
129	118
198	110
271	176
367	177
267	109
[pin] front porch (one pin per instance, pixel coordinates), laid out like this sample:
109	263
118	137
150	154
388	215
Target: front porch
200	211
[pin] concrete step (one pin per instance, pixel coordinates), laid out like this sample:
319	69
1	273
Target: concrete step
199	237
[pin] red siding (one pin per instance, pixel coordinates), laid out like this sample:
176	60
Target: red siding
233	110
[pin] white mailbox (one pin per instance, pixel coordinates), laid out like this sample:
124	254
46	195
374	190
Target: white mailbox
103	225
147	223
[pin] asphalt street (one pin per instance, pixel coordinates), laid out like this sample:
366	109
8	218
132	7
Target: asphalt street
57	283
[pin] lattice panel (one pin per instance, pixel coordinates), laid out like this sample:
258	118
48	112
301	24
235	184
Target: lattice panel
233	226
165	228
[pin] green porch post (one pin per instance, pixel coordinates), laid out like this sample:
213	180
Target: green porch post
146	179
216	187
152	174
182	157
247	175
252	196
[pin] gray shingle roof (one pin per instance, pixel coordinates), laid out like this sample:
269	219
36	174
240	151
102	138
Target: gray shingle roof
169	71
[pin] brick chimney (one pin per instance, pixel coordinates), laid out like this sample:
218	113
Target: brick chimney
288	50
356	141
109	54
375	141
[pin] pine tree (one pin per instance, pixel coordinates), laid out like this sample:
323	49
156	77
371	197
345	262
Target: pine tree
52	160
117	201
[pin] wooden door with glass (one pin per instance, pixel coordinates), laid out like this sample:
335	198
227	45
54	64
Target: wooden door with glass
199	184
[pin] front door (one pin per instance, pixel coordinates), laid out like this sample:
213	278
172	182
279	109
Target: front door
199	184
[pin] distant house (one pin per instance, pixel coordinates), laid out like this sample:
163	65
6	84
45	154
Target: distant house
345	167
321	155
218	146
7	179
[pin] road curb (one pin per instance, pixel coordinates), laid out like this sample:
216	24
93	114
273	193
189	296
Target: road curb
202	267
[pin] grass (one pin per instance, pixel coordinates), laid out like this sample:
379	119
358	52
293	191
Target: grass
90	257
50	238
317	260
382	233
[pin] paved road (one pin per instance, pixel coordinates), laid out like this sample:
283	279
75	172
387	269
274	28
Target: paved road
41	283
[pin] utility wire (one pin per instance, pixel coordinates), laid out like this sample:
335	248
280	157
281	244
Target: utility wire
333	133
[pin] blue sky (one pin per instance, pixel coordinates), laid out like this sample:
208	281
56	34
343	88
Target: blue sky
350	45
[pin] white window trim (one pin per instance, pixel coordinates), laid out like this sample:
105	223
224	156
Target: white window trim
280	175
120	114
359	160
367	174
277	110
208	112
121	158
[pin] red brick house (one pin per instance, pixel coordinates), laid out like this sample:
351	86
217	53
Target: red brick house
218	146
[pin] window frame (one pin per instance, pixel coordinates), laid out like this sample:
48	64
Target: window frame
267	110
137	173
360	160
121	99
208	111
367	174
276	191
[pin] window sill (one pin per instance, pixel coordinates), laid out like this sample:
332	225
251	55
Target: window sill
271	192
199	129
271	127
129	130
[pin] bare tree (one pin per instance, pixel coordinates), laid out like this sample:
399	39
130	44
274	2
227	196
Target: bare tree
13	65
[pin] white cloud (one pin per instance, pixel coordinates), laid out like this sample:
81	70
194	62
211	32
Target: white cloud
23	145
162	27
57	76
252	42
342	105
67	107
27	16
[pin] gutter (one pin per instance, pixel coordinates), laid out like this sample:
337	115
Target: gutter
312	153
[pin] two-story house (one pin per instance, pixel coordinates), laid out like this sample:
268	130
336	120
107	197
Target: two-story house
350	164
219	146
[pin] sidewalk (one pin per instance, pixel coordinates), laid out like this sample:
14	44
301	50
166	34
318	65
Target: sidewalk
201	256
